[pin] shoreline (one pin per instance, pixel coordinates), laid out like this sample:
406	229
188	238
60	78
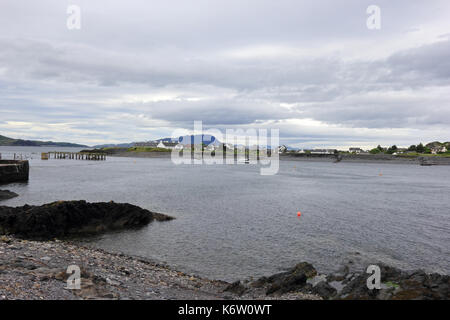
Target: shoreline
33	265
346	158
37	270
369	158
141	155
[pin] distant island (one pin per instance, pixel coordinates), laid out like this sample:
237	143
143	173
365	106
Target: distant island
5	141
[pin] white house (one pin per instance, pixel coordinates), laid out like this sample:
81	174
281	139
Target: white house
355	150
168	145
438	149
160	145
229	146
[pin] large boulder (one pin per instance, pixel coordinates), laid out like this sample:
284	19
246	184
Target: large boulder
292	280
6	194
350	284
324	289
237	288
399	285
72	218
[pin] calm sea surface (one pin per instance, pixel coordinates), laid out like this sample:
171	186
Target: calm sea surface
233	223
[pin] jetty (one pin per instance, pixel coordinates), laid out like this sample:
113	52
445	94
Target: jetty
73	156
14	171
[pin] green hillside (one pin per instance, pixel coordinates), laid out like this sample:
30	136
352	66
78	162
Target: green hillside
5	141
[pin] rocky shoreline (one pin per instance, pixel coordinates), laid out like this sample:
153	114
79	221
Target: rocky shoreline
34	262
155	154
34	259
37	270
395	284
351	158
367	158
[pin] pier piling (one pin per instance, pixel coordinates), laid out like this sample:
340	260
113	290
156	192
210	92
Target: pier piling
73	156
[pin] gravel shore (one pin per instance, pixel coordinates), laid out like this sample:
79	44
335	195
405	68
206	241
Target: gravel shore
34	265
35	270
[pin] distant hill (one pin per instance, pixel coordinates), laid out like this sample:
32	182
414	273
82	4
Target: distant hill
167	140
5	141
130	144
111	145
189	139
206	138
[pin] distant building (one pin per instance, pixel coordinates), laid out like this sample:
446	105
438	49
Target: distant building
400	151
323	151
167	145
438	149
229	146
157	144
160	145
355	150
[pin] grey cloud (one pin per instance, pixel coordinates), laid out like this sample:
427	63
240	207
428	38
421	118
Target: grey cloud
423	66
211	60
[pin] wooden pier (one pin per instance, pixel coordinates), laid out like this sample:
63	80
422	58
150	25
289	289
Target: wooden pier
73	156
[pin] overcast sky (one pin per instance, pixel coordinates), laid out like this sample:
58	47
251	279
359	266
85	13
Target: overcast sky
138	69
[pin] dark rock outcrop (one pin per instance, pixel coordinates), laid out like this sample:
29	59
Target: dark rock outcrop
352	285
72	218
399	285
6	194
324	289
292	280
236	288
14	171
